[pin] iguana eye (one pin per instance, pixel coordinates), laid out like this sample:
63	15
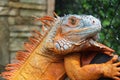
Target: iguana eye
73	21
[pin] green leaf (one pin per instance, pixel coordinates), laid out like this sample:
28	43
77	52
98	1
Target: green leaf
106	23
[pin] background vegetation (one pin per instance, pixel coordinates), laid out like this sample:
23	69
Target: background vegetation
108	11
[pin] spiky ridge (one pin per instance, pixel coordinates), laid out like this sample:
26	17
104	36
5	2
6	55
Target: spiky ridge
29	47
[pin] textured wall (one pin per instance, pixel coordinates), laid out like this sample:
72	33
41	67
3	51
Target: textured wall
16	23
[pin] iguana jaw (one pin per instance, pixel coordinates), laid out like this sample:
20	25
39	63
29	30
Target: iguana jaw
64	44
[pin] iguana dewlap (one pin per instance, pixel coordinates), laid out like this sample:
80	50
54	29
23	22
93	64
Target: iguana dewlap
44	53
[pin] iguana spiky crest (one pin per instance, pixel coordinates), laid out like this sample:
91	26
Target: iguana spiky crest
13	70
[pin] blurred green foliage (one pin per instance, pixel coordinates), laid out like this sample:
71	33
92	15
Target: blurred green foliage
108	11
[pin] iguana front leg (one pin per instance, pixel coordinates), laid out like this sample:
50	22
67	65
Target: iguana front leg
91	71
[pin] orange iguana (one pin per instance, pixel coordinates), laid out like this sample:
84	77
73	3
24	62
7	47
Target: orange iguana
45	53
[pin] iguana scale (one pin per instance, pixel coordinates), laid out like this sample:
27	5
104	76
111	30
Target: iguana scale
43	58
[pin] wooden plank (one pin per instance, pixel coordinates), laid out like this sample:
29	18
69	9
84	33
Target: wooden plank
3	2
24	28
20	34
50	7
6	11
26	6
34	1
26	13
17	44
23	20
4	41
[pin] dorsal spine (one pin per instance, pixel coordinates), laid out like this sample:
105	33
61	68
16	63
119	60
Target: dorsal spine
30	46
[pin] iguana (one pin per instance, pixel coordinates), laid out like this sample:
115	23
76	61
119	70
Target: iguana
43	58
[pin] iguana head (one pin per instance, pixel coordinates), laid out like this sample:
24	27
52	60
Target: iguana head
73	31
